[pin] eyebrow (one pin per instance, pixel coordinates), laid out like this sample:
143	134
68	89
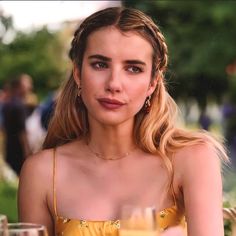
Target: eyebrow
137	62
108	59
100	57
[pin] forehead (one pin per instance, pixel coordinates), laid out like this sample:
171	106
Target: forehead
112	41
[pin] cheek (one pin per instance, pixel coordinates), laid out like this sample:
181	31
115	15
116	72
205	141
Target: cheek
90	79
91	87
87	90
138	95
87	81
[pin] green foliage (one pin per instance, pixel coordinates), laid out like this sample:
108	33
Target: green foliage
200	36
8	201
229	184
39	54
227	228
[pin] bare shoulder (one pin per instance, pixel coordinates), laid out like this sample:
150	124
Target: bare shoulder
38	166
199	153
37	169
196	163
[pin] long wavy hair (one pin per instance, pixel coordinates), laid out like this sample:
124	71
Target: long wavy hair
155	132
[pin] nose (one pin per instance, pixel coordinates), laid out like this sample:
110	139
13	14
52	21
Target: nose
113	83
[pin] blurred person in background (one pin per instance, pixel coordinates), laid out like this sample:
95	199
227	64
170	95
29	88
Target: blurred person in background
1	106
14	113
204	120
4	96
229	121
37	122
30	98
47	109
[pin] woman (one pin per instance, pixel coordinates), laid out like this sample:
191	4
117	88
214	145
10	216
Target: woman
113	140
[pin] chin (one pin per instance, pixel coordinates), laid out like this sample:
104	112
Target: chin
112	120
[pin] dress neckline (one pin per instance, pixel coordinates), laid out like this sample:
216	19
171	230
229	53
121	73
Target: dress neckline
160	213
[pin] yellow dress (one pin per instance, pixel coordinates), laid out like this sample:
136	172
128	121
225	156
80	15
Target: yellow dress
77	227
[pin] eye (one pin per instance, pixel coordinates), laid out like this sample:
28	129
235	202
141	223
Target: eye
99	65
134	69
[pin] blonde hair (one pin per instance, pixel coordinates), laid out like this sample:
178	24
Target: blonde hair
155	132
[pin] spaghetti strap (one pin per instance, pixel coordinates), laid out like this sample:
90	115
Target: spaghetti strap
54	183
173	193
172	184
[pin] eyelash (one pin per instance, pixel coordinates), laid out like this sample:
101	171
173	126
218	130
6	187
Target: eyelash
100	65
136	68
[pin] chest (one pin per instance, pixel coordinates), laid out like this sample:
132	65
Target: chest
98	192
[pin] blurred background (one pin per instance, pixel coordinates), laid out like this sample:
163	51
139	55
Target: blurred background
35	38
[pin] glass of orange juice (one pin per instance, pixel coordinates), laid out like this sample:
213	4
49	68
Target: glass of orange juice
138	221
3	221
23	229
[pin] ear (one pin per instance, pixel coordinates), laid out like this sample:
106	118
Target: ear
76	74
152	86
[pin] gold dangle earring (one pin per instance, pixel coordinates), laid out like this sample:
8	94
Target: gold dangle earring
147	105
79	98
79	91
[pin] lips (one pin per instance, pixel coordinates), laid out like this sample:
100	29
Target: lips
110	103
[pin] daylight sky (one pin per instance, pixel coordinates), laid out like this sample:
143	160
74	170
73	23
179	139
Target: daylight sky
30	14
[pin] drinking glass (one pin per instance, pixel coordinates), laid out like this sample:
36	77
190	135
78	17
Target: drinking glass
3	221
138	221
23	229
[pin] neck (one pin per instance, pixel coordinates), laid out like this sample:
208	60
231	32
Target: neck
111	142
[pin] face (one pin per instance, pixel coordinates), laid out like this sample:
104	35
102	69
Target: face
116	75
26	84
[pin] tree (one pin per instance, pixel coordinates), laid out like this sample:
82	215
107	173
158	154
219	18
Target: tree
39	53
201	43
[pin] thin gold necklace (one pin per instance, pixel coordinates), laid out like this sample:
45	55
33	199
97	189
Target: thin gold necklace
99	155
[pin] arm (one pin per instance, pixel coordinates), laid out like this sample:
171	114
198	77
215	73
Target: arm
34	187
202	190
